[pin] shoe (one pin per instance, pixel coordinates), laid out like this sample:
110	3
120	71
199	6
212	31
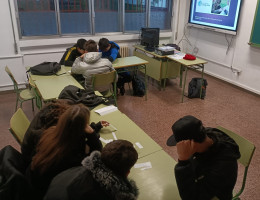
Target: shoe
122	91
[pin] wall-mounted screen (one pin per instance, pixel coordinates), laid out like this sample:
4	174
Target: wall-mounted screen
216	15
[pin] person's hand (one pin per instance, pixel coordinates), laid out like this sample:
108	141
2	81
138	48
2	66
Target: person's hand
185	149
104	123
88	129
82	56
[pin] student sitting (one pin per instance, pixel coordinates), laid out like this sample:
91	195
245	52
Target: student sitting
102	176
110	50
91	63
48	116
207	160
73	52
62	146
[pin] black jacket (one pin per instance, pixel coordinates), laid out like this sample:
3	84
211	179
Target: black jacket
93	180
70	56
212	173
13	183
41	122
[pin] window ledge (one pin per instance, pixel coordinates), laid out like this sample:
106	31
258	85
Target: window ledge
56	41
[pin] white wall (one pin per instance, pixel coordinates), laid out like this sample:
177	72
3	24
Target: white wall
212	46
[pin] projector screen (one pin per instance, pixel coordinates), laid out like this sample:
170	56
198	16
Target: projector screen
216	15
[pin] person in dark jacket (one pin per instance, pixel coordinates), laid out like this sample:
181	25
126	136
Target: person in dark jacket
207	160
110	50
61	147
72	53
102	176
48	116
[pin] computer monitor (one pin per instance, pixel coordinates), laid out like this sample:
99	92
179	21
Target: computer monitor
150	38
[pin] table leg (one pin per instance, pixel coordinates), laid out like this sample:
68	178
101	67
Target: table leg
181	74
166	70
202	73
145	82
183	89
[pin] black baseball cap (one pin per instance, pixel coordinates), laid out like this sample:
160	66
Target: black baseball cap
186	128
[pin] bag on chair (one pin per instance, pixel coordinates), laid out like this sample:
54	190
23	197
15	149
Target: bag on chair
194	88
45	68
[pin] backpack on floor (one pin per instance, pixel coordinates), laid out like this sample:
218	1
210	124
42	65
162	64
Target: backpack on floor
138	86
194	88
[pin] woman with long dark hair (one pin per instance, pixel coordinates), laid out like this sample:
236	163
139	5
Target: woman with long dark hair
63	146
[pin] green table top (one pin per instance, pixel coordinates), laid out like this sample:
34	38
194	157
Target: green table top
127	130
187	63
128	62
50	87
158	182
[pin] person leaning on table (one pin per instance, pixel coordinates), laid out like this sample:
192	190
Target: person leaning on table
207	160
72	53
91	63
101	176
61	147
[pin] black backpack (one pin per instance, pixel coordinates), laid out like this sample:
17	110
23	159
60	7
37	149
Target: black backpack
45	68
194	88
138	86
86	97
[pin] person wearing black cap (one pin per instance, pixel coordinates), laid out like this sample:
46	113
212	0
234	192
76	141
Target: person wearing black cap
72	53
207	160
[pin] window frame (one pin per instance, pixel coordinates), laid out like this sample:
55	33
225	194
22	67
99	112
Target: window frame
121	13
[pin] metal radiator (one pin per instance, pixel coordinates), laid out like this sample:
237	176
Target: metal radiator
124	51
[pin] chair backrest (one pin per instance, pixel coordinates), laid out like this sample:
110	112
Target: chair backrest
19	124
124	51
103	79
12	78
246	149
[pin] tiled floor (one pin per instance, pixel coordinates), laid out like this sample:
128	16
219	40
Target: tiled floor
224	105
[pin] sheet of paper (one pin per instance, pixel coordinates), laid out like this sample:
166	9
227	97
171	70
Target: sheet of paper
106	110
114	135
139	145
113	127
143	166
105	141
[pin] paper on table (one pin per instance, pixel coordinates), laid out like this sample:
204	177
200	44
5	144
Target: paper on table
176	56
139	145
114	135
143	166
106	110
105	141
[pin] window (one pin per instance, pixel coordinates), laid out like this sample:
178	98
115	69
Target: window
68	17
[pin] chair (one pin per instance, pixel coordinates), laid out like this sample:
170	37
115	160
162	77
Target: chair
124	52
246	149
19	124
21	95
38	99
106	79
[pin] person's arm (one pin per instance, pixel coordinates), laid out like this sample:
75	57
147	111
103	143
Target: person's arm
79	66
70	57
113	55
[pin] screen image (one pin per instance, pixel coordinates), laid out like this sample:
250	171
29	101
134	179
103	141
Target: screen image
221	15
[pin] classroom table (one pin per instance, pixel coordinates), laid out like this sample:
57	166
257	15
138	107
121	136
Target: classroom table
157	67
155	183
127	130
185	66
133	63
158	182
51	86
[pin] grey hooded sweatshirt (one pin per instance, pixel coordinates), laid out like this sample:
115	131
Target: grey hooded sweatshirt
92	63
